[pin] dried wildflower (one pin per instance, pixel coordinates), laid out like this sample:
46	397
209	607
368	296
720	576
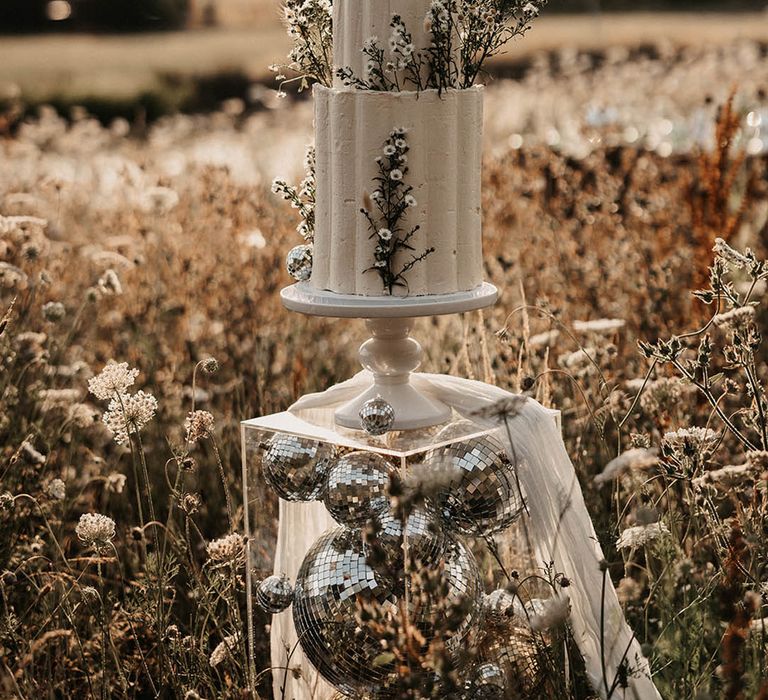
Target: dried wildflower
109	284
224	649
641	535
553	613
81	415
730	255
504	409
190	503
116	482
686	443
128	414
89	595
115	378
198	425
31	455
95	530
229	548
55	398
758	459
56	489
210	365
635	458
628	590
54	311
7	501
735	318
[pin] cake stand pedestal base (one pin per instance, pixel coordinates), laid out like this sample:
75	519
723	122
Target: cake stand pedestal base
391	355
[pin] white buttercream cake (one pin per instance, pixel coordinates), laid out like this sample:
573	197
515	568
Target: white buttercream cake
353	126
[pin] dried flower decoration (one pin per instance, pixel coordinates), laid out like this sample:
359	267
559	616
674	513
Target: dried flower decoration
95	530
227	549
301	197
391	201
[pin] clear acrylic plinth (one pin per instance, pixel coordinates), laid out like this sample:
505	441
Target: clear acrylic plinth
403	449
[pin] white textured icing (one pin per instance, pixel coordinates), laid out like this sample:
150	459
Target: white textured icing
444	161
356	21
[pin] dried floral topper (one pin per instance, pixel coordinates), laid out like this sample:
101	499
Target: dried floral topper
386	210
465	33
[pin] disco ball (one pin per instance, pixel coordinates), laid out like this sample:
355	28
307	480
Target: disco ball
274	594
296	468
356	488
377	416
500	605
336	579
333	582
299	262
482	496
513	648
423	531
487	682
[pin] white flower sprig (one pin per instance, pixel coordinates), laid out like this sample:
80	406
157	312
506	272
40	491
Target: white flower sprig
385	210
301	197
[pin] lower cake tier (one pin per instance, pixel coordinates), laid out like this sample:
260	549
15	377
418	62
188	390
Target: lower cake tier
412	163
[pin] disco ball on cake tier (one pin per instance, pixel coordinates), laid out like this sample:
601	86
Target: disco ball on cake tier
297	468
341	602
481	496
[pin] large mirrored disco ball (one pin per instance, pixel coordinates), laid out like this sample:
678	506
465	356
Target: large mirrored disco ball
445	598
298	262
274	594
356	489
334	581
514	649
295	467
377	416
486	682
481	496
424	532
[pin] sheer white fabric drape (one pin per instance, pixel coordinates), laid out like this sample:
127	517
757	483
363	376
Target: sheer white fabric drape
559	527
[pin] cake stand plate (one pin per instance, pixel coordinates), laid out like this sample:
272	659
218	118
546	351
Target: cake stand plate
390	354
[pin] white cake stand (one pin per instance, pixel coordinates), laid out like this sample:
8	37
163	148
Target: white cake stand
390	354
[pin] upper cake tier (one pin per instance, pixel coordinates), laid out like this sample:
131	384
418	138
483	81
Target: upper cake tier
413	152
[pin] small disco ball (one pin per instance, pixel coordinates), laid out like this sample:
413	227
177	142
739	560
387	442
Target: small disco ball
356	488
299	262
295	467
482	496
377	416
513	648
274	594
500	605
486	682
333	582
423	531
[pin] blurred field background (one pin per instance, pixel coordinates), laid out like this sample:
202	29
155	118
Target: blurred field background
613	159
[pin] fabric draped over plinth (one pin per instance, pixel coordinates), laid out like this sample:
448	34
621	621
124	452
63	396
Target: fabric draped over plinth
558	525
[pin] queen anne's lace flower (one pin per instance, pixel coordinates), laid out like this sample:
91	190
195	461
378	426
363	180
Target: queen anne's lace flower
95	530
199	425
115	378
229	548
641	535
224	649
128	414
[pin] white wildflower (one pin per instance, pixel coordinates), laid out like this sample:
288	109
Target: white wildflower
737	317
410	200
109	284
224	649
116	482
115	378
229	548
57	489
690	440
635	458
554	612
385	234
95	530
396	175
54	311
389	150
600	325
641	535
127	414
